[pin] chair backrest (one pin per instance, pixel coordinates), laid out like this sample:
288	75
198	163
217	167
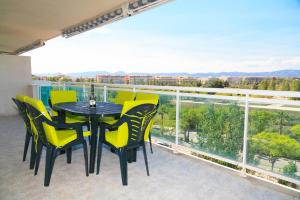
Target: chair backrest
46	133
148	96
19	101
61	96
123	96
136	116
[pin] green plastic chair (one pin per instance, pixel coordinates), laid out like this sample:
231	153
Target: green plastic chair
54	137
30	129
122	96
63	96
147	96
127	134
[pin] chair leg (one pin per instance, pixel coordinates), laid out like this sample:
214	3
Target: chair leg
50	159
27	140
38	157
145	157
85	152
33	155
69	155
123	166
150	142
99	154
89	138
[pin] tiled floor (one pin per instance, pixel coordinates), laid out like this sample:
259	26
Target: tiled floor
171	176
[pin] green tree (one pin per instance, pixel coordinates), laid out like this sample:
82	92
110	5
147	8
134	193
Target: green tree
221	129
263	85
295	130
272	85
285	85
214	83
290	169
281	120
295	85
261	120
163	109
275	146
189	122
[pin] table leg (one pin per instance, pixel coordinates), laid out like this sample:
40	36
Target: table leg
61	117
94	134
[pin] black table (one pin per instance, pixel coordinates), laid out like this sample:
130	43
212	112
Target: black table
82	109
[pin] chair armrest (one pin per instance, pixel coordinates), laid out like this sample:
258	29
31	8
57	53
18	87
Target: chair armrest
114	126
73	126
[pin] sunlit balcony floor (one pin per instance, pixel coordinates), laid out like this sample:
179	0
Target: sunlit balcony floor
172	176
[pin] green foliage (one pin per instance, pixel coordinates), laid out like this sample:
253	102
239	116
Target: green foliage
214	83
166	114
275	146
295	85
290	169
261	120
189	121
221	130
295	130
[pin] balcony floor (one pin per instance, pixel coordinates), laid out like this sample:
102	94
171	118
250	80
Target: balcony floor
171	176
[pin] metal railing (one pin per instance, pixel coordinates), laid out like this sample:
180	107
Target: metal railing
244	98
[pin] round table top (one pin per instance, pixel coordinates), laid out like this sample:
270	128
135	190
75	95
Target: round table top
83	108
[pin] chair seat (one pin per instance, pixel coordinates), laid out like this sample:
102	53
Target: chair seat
75	119
115	138
72	118
108	120
66	136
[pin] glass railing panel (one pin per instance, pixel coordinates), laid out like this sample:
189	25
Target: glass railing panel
274	139
212	126
45	94
79	90
98	90
165	119
111	96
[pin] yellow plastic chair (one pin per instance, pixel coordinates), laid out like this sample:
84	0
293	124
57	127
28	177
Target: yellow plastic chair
54	137
147	96
122	96
30	130
127	134
63	96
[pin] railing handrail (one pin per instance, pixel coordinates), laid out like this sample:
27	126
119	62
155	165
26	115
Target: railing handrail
290	94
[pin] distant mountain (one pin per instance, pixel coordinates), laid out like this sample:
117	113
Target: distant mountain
280	73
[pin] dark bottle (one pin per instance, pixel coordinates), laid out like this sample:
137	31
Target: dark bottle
92	100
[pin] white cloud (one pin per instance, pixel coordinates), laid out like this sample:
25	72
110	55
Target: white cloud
115	50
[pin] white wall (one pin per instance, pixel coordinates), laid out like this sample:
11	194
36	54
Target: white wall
15	78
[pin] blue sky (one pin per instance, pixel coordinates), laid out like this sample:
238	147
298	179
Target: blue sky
185	36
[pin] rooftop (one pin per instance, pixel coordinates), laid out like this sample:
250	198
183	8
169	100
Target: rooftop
172	176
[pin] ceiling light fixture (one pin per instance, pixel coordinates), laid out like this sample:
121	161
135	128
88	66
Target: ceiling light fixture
126	10
93	23
32	46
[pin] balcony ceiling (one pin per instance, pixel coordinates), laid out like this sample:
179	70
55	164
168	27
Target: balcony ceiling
25	22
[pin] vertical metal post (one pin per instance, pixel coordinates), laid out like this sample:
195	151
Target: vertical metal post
246	121
105	93
177	115
83	90
133	89
39	92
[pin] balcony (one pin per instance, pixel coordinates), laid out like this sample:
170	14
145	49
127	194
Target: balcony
235	164
209	143
172	176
